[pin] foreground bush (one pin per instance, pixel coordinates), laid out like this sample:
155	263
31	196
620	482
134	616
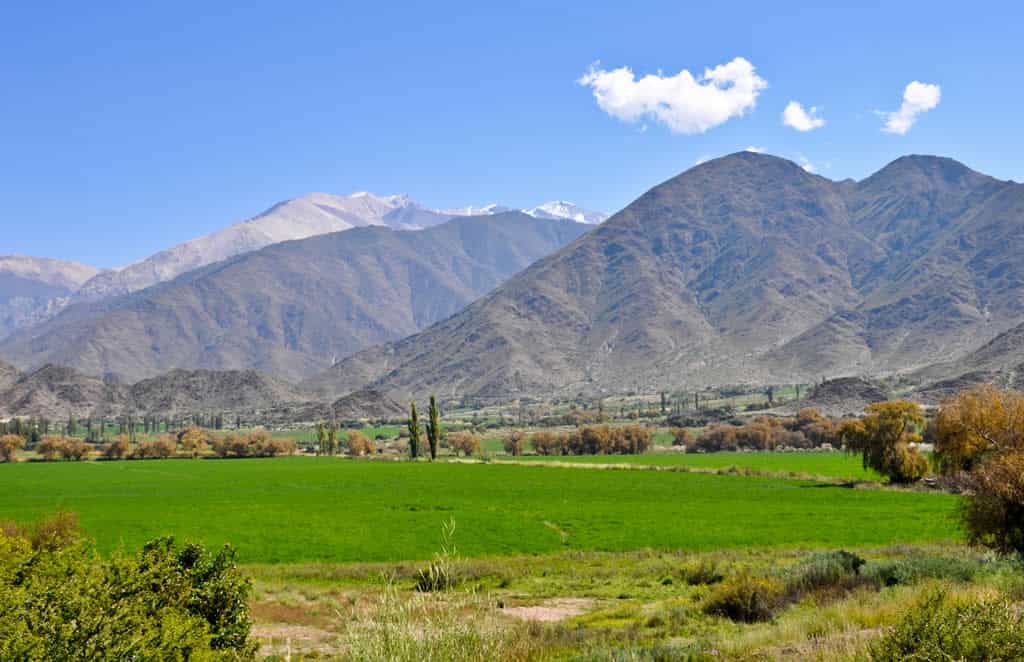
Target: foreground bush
943	628
910	571
746	599
60	601
839	570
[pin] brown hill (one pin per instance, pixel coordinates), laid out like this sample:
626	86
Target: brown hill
57	392
368	404
293	308
191	391
743	269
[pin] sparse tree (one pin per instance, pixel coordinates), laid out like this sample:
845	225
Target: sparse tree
680	436
359	444
975	424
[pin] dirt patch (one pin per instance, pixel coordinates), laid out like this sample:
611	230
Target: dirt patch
286	640
550	611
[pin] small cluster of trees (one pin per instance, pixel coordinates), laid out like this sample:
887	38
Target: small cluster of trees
594	440
808	429
57	447
257	443
464	442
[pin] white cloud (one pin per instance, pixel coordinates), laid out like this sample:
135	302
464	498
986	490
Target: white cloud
917	98
755	150
802	120
683	103
806	164
703	158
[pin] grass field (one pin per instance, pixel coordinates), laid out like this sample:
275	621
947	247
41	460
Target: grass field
330	509
836	465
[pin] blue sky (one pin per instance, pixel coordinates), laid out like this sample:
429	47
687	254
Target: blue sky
127	127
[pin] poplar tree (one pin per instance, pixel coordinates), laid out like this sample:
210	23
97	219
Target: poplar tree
414	431
433	428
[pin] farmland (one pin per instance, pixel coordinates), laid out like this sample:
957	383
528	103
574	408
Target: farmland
300	509
833	464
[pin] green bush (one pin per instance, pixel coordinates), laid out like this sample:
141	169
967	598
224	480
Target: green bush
59	600
697	574
941	628
910	571
830	570
746	599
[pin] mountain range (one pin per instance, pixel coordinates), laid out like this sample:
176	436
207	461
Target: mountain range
744	269
35	289
32	288
293	308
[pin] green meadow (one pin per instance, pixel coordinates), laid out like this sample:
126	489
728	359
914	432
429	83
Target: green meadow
301	509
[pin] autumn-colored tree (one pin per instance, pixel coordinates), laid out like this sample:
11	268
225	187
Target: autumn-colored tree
359	444
466	443
977	423
119	448
680	436
883	438
73	448
434	428
194	440
993	510
514	442
547	443
9	445
49	447
414	431
156	449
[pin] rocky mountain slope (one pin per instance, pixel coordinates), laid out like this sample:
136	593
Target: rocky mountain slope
307	216
293	308
743	269
57	392
32	287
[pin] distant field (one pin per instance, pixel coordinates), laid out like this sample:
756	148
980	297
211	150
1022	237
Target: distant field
836	465
332	509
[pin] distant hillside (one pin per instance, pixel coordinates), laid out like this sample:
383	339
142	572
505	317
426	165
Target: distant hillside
186	391
293	308
745	269
32	287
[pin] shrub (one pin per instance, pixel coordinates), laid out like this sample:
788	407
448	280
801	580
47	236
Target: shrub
50	534
746	599
910	571
442	573
9	445
466	443
273	447
61	601
830	570
942	628
359	444
697	574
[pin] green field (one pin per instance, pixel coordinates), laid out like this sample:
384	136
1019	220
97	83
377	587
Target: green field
333	509
833	465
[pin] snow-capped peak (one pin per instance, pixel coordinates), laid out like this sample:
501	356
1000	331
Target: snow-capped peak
568	210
